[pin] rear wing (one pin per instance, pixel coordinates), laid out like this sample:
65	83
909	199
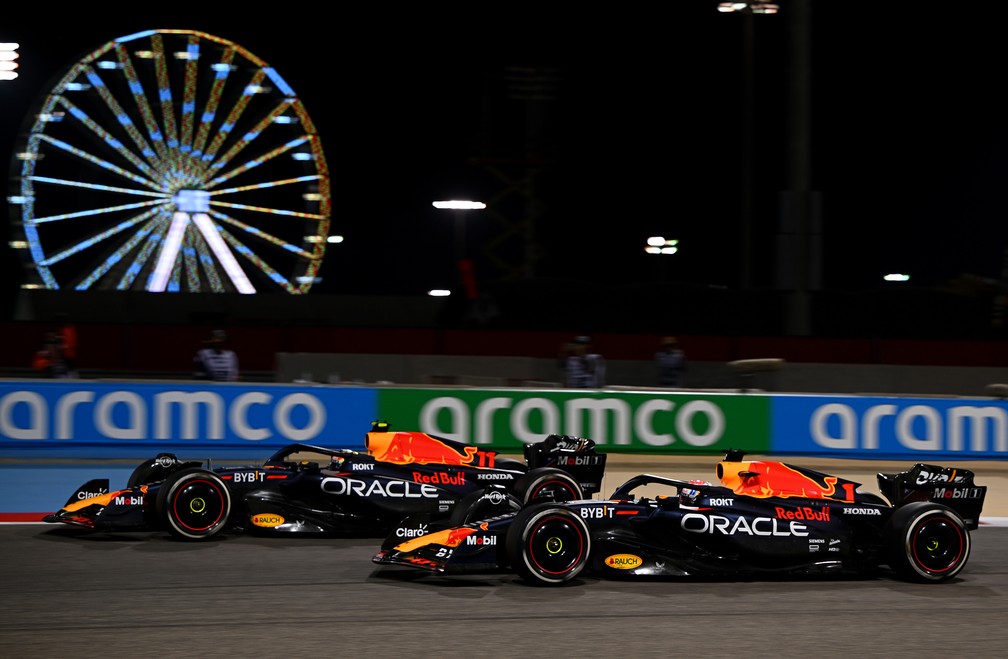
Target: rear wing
575	455
950	486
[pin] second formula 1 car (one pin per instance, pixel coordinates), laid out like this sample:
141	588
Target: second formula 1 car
306	489
761	519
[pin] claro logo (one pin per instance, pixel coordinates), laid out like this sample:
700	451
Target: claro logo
165	415
915	427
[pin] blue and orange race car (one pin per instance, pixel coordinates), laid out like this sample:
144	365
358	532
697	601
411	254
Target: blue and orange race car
306	489
761	519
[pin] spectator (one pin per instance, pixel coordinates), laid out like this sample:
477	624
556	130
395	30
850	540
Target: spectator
671	362
215	362
49	360
585	369
67	333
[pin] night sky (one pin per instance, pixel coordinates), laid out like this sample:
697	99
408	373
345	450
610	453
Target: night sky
638	130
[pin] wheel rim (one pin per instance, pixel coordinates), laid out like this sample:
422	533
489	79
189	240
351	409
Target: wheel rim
172	160
199	506
556	546
937	545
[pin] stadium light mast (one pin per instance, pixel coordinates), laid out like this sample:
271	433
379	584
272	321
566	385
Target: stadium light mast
748	10
464	264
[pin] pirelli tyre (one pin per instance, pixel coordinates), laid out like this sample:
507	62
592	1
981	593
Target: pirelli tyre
926	542
547	484
483	504
193	504
547	544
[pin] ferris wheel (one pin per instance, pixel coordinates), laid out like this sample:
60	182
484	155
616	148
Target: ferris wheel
171	160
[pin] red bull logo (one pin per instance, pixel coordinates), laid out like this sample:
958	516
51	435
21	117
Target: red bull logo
775	479
439	478
419	448
803	513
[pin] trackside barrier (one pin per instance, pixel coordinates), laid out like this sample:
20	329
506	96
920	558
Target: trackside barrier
132	419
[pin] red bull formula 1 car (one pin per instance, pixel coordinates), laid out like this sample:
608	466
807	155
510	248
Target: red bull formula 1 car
761	519
338	491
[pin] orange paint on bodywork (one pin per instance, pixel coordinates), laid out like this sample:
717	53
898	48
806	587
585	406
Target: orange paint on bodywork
416	447
774	479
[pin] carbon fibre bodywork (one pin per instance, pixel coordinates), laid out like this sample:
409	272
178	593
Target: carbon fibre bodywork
305	489
761	519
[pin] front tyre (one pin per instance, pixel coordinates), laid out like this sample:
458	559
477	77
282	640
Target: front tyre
547	484
193	504
548	544
926	542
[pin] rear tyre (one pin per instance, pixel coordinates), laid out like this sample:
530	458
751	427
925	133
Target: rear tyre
926	542
548	544
193	504
547	484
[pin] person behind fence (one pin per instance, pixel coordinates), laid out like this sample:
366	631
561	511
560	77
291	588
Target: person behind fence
671	362
585	369
215	362
49	360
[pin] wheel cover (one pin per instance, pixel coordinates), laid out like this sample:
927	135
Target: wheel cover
198	506
556	546
937	545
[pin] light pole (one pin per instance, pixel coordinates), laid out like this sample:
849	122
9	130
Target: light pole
748	9
459	207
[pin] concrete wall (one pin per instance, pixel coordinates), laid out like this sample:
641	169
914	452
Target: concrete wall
538	372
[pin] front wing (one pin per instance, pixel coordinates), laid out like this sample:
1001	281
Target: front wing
474	547
92	506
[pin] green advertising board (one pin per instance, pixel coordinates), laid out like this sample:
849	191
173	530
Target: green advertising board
619	421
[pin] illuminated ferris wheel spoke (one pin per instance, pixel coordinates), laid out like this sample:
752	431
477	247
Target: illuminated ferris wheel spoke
224	132
92	211
263	185
164	89
189	101
98	161
113	259
136	90
259	233
261	209
95	186
245	251
143	256
97	238
106	137
222	69
122	173
169	253
252	136
123	119
191	262
211	234
207	263
280	150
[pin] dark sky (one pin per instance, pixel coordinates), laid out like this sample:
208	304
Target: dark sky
642	133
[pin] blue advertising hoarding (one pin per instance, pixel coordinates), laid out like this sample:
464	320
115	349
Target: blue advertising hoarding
125	419
882	427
